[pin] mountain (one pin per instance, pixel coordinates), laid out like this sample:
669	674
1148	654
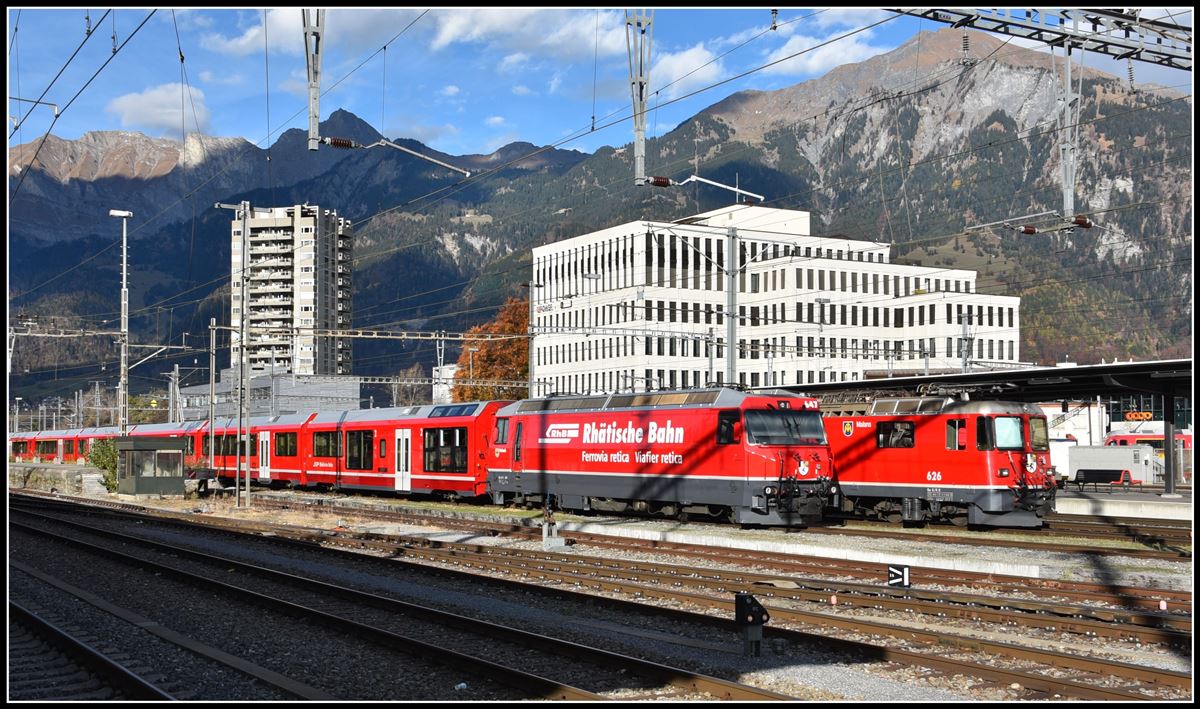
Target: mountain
913	147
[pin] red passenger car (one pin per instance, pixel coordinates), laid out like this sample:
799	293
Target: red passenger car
748	458
438	449
985	463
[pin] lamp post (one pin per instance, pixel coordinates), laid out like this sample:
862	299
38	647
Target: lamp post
531	285
471	360
123	395
18	412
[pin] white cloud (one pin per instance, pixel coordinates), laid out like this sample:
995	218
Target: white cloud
559	34
818	61
284	27
494	120
678	73
514	61
522	90
220	79
425	133
847	17
157	109
342	29
555	82
450	90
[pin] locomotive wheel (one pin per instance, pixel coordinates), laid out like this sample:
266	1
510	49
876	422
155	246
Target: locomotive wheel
959	520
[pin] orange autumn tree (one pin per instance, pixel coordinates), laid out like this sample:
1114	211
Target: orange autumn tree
496	359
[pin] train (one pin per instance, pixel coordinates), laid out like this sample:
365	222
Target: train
751	458
717	453
911	460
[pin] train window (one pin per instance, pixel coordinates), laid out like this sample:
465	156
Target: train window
68	447
359	445
956	435
285	444
1009	433
326	444
895	434
1039	434
18	447
984	436
517	442
47	447
727	427
383	448
446	450
501	431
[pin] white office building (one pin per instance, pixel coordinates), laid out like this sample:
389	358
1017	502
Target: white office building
299	281
642	306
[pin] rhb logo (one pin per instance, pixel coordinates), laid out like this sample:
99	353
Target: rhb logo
560	433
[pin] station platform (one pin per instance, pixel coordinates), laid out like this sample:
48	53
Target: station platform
1119	503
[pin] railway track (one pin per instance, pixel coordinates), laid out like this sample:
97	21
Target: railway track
426	631
630	580
50	663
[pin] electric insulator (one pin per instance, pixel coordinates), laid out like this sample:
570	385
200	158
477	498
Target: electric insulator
341	142
774	17
966	43
1131	86
1083	222
1028	230
660	181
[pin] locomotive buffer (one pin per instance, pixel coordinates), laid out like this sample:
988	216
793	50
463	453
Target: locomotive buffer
749	615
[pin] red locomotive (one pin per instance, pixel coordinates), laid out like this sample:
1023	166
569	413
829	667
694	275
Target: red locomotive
979	463
746	458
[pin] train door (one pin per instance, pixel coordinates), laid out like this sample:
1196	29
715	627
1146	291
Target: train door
403	459
264	456
518	465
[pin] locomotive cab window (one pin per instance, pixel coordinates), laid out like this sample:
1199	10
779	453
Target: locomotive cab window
18	447
956	435
1039	434
446	450
895	434
728	423
501	431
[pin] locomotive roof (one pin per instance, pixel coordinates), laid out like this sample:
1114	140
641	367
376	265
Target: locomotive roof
946	405
705	398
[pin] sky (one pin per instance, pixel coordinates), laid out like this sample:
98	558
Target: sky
461	80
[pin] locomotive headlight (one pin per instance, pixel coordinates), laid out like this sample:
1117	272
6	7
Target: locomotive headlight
1004	472
833	490
768	490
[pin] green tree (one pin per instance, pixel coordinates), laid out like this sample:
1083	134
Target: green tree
103	455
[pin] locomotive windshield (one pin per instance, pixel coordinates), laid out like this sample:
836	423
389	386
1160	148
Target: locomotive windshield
1009	434
785	427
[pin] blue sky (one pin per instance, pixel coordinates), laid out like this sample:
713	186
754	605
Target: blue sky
459	80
